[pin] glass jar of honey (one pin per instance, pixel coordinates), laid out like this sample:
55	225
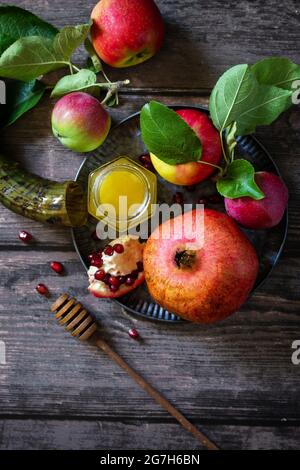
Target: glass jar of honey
122	193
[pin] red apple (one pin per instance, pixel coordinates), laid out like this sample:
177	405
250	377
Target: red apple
191	173
205	283
126	33
264	213
80	122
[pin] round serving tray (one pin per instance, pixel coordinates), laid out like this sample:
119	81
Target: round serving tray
125	139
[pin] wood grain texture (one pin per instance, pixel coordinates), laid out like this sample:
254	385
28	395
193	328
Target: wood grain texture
226	376
97	435
202	39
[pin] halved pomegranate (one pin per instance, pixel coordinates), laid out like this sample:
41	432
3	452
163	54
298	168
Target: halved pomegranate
119	268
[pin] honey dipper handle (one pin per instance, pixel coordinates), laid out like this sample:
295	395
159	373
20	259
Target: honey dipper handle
156	395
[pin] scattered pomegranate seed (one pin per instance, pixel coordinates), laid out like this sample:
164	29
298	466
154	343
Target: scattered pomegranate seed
178	198
134	334
57	267
145	158
114	281
140	266
100	275
215	199
149	166
109	251
42	289
129	281
118	248
202	200
26	237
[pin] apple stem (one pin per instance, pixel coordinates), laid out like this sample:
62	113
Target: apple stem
113	89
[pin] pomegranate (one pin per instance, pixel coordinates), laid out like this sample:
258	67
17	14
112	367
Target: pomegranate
121	268
200	280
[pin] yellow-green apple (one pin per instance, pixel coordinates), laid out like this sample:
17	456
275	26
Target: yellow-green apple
266	212
193	172
126	33
80	122
203	279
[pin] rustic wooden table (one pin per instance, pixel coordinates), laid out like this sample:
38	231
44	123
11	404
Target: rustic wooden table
235	380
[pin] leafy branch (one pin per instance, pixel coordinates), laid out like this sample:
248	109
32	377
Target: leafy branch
31	48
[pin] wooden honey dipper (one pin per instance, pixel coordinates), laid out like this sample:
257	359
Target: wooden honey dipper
82	325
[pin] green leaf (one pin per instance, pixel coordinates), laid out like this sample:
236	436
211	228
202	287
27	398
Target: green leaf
239	181
239	97
69	39
276	71
16	23
80	81
168	136
33	56
95	62
20	98
30	57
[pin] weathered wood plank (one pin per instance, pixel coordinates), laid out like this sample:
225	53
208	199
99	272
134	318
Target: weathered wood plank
202	39
239	369
131	434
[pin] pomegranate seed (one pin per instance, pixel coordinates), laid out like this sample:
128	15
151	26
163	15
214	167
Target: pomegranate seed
134	334
140	266
129	281
145	158
203	200
149	166
42	289
215	199
118	248
109	251
122	279
106	278
114	281
100	275
113	288
25	236
178	198
57	267
94	236
134	274
97	262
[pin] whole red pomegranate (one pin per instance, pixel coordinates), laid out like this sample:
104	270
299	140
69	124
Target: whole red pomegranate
201	282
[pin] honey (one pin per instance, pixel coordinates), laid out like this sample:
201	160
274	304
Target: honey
122	193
